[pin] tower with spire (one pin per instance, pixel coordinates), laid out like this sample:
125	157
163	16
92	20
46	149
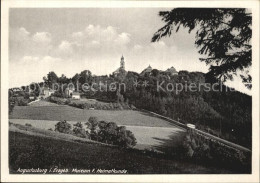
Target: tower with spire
122	63
121	69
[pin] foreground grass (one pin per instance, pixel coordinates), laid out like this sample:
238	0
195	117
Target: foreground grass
26	151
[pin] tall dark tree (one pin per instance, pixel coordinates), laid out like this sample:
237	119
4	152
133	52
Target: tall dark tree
222	34
51	79
85	77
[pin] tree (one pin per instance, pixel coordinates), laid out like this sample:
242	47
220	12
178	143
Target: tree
92	123
11	102
85	77
63	127
63	79
51	79
223	35
79	131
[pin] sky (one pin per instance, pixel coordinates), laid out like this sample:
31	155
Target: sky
68	41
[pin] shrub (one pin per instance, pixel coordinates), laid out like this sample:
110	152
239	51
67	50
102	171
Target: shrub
27	124
63	127
110	133
125	138
78	124
22	102
68	101
92	122
196	148
203	150
79	131
58	100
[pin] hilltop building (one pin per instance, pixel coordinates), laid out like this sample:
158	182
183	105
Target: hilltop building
121	69
172	71
147	70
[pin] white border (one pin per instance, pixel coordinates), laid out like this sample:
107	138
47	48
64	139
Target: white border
6	177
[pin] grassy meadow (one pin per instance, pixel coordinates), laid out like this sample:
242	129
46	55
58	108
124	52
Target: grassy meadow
63	112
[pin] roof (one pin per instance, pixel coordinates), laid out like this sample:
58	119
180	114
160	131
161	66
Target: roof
148	69
66	89
172	70
75	93
45	88
117	70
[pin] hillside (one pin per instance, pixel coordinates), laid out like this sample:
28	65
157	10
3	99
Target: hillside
27	152
213	108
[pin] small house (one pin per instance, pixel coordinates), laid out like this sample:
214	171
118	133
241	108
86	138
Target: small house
46	92
68	92
75	95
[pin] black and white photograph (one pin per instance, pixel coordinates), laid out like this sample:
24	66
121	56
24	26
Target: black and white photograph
118	90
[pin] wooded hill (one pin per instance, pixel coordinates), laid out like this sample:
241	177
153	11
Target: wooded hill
224	112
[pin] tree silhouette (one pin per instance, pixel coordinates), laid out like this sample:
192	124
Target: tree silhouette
223	35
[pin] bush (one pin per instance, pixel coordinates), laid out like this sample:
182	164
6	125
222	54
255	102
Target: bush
110	133
63	127
58	100
78	124
92	123
196	149
22	102
125	138
27	124
79	131
200	149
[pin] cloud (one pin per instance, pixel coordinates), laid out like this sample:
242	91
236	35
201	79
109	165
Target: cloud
94	42
123	39
19	35
29	59
77	35
65	46
33	69
24	31
162	56
23	43
36	61
137	47
103	38
158	45
42	37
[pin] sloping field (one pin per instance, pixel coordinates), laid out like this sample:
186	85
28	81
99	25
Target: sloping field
146	137
27	153
63	112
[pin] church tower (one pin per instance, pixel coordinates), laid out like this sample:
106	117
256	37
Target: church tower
122	63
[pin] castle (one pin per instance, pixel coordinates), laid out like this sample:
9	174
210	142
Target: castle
170	71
